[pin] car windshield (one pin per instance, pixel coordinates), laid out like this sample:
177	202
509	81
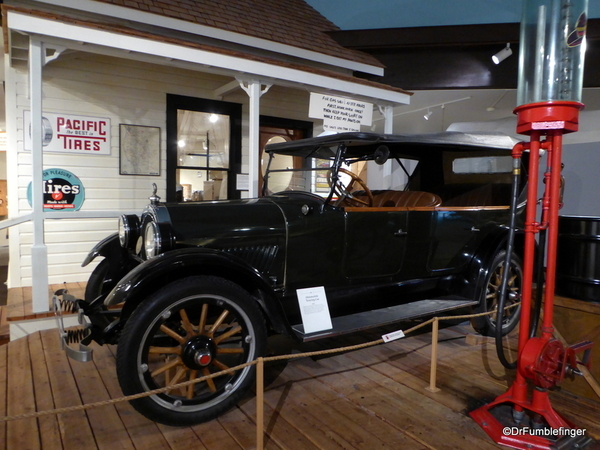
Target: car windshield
454	167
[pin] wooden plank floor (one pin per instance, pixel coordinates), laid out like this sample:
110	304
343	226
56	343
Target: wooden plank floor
368	399
19	305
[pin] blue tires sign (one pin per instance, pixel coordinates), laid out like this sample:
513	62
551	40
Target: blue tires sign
62	190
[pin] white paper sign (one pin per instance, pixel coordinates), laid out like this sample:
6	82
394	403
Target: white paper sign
340	114
314	309
393	336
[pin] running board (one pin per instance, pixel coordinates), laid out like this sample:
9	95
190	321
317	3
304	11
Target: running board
386	316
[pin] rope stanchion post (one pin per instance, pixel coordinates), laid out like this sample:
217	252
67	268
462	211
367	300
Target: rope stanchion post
434	353
260	389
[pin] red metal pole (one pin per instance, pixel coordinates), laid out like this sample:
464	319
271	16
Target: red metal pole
555	178
531	228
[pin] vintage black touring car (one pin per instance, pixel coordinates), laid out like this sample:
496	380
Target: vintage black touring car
191	288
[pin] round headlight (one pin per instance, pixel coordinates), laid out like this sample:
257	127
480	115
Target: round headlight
129	230
151	240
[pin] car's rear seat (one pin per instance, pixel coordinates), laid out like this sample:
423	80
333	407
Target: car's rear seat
486	195
397	199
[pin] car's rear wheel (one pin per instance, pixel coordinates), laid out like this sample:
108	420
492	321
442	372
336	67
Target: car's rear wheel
486	325
191	328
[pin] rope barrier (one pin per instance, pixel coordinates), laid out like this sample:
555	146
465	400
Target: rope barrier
233	369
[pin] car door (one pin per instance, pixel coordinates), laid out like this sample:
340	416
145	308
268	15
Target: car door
455	233
375	242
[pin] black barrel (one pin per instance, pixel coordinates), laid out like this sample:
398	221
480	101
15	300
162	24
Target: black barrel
578	258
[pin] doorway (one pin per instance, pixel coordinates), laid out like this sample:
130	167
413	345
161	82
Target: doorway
273	130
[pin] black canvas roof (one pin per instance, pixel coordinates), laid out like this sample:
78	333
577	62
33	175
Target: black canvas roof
364	144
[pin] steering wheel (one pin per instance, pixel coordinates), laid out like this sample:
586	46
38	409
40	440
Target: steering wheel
344	193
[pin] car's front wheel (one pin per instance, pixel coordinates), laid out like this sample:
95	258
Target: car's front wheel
191	328
486	325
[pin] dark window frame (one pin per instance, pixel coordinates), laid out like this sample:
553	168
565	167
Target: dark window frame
233	110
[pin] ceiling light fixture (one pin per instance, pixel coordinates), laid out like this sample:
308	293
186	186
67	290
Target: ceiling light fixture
502	54
427	115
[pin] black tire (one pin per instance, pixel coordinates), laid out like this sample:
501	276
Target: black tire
150	354
98	283
486	325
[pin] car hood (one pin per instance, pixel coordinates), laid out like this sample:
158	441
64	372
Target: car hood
226	222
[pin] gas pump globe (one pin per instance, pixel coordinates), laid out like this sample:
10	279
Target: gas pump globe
551	57
552	51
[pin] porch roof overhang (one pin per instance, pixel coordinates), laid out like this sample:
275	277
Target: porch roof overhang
65	32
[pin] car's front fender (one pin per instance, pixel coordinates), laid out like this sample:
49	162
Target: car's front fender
108	247
168	267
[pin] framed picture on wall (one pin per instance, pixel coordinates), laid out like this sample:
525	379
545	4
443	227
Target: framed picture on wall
139	150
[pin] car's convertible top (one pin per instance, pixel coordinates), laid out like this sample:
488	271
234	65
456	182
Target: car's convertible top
363	144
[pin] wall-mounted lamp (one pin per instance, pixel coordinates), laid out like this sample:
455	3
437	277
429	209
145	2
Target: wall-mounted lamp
427	115
502	54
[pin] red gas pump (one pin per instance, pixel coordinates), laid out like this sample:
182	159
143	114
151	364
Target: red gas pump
550	80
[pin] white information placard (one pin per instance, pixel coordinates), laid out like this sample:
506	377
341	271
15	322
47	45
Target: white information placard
340	114
393	336
314	309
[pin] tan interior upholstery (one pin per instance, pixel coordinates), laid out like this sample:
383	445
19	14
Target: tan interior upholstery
397	199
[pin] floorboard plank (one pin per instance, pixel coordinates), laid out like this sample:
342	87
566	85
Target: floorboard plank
108	428
278	432
144	433
15	304
439	427
241	428
214	436
74	426
374	431
182	438
20	398
48	425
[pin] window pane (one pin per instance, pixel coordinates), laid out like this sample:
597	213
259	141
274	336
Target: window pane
202	139
202	184
484	164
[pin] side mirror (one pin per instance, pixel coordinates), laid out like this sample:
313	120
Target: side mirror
381	155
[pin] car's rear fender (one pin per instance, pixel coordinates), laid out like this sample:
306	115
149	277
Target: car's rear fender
168	267
474	280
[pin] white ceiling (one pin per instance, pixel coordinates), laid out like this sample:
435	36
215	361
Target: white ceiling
463	106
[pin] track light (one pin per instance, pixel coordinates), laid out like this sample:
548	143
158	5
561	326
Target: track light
428	115
502	54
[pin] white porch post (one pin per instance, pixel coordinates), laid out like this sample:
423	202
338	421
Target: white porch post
388	118
380	177
39	251
388	128
254	90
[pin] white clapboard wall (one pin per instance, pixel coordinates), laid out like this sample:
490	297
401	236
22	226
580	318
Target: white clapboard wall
125	92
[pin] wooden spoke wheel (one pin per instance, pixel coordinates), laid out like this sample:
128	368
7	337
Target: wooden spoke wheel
486	325
191	328
344	191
